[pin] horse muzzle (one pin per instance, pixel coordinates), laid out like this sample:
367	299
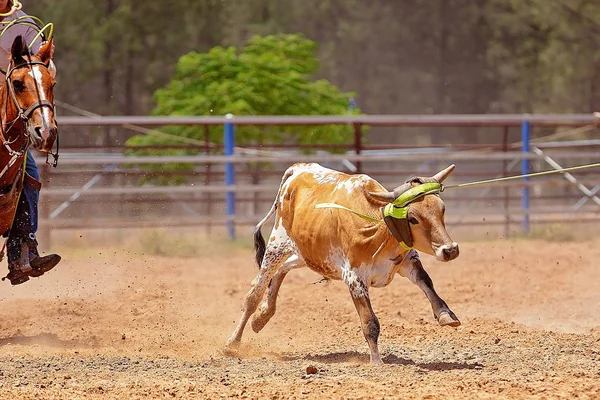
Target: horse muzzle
43	138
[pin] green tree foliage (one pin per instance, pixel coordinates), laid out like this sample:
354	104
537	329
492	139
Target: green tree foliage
270	75
113	54
403	57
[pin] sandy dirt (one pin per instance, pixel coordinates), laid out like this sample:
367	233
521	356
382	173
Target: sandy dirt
111	322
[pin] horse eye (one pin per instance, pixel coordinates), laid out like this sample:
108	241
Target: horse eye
18	85
413	220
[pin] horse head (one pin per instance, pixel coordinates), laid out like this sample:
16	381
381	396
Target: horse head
30	85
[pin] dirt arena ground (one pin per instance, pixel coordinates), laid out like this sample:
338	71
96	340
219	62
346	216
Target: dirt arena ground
122	322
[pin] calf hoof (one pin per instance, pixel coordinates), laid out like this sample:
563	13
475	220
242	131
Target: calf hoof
231	351
376	361
232	346
258	323
447	318
227	351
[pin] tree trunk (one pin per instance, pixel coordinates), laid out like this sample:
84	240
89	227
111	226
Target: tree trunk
441	70
108	75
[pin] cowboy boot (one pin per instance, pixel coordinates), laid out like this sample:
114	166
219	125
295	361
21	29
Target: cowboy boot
41	264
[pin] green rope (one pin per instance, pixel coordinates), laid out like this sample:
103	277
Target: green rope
508	178
37	25
334	205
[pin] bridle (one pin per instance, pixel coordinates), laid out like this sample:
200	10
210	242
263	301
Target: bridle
23	115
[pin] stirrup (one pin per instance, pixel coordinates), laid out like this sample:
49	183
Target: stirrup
16	276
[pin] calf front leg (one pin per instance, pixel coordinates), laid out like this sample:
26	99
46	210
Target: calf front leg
414	271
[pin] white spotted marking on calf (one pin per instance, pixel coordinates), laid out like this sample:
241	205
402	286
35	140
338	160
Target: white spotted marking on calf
353	278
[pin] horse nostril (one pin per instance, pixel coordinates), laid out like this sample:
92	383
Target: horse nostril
38	132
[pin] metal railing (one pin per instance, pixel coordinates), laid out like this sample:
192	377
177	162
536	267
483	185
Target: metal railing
231	158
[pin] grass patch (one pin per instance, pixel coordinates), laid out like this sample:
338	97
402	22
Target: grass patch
170	244
552	233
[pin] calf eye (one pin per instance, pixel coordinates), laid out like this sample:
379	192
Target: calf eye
18	85
413	220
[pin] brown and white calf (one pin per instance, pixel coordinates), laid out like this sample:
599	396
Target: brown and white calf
342	246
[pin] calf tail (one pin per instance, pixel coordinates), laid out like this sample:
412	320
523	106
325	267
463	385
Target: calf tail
259	246
259	242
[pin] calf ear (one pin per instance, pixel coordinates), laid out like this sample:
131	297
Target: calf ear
18	50
443	174
46	52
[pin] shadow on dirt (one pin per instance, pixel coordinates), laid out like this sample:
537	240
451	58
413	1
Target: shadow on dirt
45	339
361	358
433	366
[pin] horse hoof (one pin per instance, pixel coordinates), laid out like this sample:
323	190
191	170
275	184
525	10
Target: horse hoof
448	319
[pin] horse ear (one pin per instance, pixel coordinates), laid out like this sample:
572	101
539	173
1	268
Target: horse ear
46	52
18	49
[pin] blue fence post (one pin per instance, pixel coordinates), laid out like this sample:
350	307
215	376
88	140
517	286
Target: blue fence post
351	105
229	144
525	130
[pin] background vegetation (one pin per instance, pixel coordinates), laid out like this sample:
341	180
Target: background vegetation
409	56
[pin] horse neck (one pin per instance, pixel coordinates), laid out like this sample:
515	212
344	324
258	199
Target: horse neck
12	130
12	126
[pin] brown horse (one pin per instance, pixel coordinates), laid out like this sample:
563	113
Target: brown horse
27	118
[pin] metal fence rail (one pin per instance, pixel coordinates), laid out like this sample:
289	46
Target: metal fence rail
94	177
371	120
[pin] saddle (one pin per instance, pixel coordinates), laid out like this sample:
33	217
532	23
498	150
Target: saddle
9	197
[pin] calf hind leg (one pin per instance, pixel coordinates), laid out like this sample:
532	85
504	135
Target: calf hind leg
273	259
267	308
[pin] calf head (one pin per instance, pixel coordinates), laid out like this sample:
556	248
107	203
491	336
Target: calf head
415	216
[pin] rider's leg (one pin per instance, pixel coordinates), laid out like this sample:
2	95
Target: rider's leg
32	195
17	246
